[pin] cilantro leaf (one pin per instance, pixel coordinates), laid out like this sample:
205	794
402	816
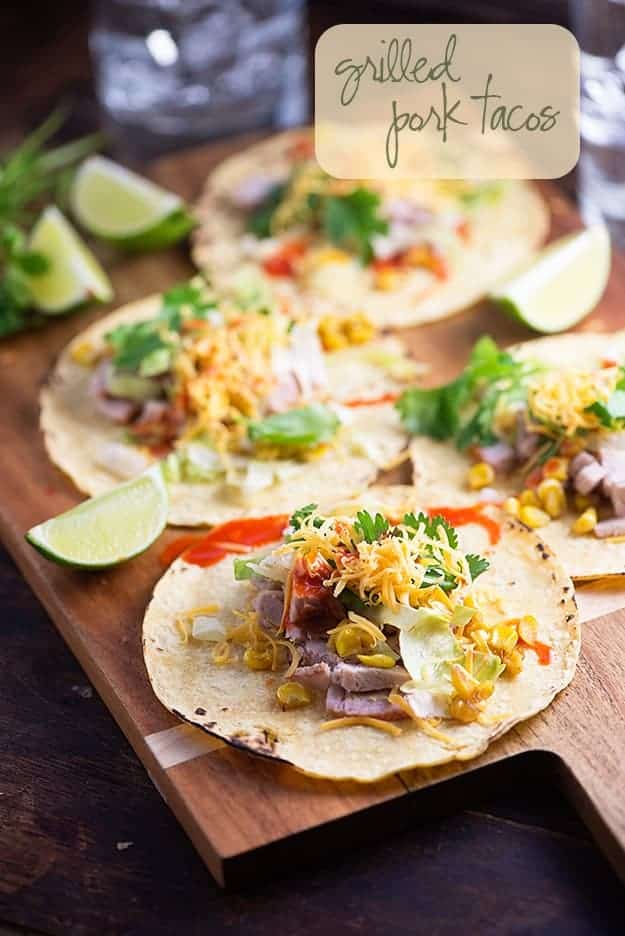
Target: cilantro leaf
299	428
301	515
352	602
431	525
139	347
148	347
477	565
435	412
259	221
371	527
351	220
464	409
436	575
612	411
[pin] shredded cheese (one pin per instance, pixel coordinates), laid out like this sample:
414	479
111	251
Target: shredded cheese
559	399
224	372
350	720
388	571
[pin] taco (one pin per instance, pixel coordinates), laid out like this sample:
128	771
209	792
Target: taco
542	428
403	252
362	641
235	395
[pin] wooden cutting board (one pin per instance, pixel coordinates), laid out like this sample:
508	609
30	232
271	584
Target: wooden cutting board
236	807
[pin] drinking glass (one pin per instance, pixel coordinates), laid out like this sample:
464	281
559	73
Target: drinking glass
169	72
600	29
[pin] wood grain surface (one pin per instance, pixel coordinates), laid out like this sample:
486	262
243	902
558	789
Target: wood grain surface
232	806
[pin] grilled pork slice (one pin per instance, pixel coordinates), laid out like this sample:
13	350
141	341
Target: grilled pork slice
615	526
372	705
269	603
500	456
317	651
316	676
118	410
355	677
589	476
526	442
158	423
612	458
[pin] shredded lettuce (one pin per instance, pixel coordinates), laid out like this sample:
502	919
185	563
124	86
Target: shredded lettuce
305	427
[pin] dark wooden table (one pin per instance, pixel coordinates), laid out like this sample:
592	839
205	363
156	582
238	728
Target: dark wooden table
87	845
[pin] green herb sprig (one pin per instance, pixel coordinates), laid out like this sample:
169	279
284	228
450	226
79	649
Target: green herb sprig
28	174
464	409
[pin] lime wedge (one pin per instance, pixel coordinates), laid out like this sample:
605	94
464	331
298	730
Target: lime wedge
75	276
120	206
108	529
562	285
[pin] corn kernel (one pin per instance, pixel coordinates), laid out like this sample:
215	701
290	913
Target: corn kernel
348	642
386	279
503	638
463	711
292	695
511	506
528	498
258	659
382	660
358	328
318	451
480	476
533	517
586	522
528	629
331	334
552	497
83	353
557	468
514	662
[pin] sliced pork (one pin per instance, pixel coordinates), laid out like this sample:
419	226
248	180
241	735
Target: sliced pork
355	677
373	705
118	410
589	477
252	191
580	461
317	651
615	526
316	676
269	602
612	458
159	423
526	442
500	456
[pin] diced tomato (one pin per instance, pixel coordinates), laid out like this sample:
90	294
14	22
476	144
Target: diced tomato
463	230
303	148
283	262
374	401
534	477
